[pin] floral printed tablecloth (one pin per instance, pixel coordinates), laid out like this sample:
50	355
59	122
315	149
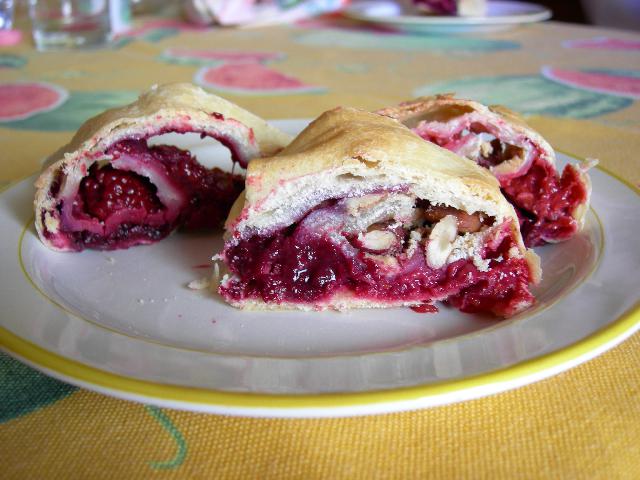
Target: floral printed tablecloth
577	85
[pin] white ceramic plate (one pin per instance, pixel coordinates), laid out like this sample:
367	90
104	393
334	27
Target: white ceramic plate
125	324
500	15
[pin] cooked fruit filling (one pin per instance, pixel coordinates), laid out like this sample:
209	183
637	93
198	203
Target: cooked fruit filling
545	202
141	195
106	191
439	6
384	248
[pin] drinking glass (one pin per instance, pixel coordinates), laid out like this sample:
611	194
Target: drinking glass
6	14
60	24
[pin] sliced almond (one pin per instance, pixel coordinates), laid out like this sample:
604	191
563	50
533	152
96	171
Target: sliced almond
378	240
440	242
356	204
486	149
414	240
387	263
466	222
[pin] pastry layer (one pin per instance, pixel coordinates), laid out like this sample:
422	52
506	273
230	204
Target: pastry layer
111	189
550	206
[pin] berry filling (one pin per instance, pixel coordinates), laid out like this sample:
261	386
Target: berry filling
107	191
545	202
142	195
208	193
447	7
316	259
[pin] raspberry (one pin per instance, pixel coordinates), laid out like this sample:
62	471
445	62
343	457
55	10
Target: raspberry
107	190
129	208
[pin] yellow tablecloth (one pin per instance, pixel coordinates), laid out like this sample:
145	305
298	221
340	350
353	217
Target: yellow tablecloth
577	84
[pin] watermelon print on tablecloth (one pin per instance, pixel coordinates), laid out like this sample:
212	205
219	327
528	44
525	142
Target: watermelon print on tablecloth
622	83
176	435
604	43
10	37
530	95
76	110
251	79
24	390
155	31
8	60
22	100
211	57
335	21
402	42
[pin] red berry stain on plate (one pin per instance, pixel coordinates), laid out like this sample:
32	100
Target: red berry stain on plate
202	265
425	308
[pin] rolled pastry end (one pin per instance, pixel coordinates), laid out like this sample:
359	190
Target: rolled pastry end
550	205
113	189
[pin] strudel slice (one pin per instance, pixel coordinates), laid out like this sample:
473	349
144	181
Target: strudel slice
462	8
358	211
551	206
109	188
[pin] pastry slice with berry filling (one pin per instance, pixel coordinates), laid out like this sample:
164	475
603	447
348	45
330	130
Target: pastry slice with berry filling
358	211
551	206
111	187
462	8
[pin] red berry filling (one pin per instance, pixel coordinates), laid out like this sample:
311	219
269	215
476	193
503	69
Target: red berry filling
543	200
107	190
295	265
125	235
143	194
447	7
210	193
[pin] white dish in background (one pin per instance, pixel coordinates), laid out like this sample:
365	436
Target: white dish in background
500	15
124	323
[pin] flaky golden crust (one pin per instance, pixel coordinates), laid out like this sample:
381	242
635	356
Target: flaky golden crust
346	144
179	107
348	152
176	99
446	107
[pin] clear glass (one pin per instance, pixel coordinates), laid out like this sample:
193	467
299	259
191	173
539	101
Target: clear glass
61	24
6	14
